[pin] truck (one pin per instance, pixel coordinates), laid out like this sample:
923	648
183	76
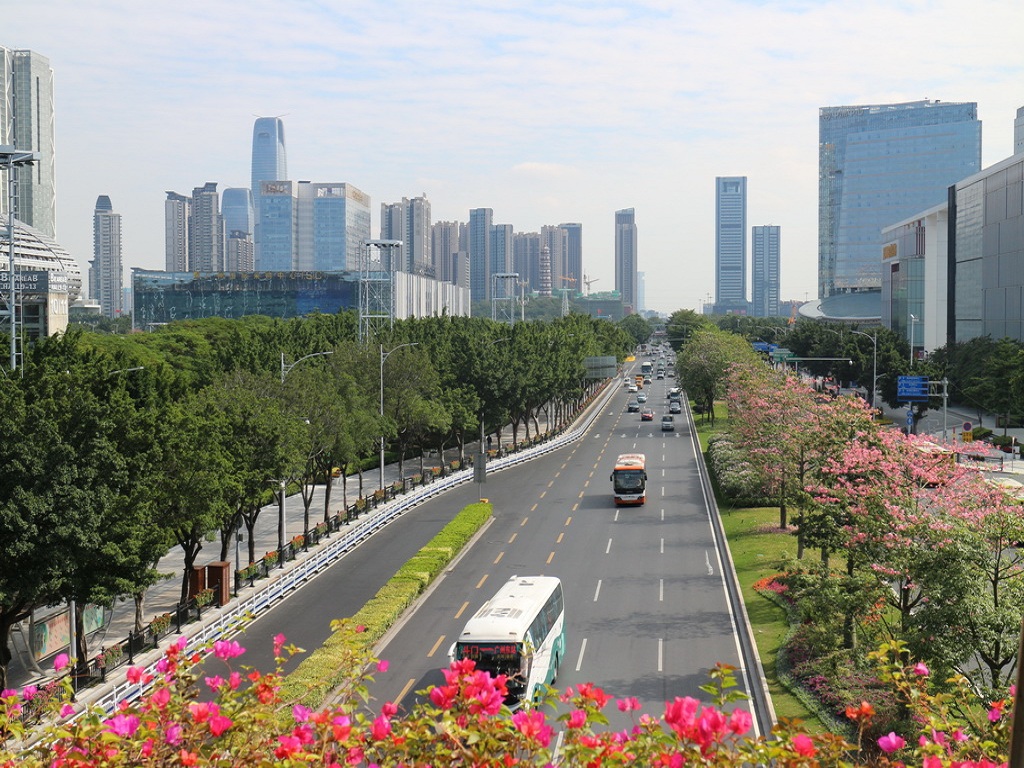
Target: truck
629	479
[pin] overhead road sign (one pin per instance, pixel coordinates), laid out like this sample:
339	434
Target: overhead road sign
912	389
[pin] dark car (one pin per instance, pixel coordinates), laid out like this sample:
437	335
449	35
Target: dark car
675	407
668	424
646	415
633	407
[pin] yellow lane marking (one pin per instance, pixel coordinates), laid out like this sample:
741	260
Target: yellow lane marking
581	494
550	483
559	539
575	506
568	519
481	582
463	608
436	646
513	538
526	518
559	472
550	558
498	558
542	495
405	690
533	508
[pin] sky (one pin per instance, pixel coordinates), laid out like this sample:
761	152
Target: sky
546	112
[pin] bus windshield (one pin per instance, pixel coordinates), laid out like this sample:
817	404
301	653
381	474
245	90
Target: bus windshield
629	479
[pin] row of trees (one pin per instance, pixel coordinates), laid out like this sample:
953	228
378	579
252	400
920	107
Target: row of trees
929	544
117	448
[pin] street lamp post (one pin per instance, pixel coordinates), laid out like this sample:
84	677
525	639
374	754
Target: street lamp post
285	370
874	366
9	158
384	356
913	322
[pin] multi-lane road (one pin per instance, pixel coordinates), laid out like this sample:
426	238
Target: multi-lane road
648	609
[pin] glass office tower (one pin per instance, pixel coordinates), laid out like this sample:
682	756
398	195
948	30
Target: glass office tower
626	257
731	245
877	165
269	163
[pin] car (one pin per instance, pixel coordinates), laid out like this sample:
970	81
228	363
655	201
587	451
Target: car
646	415
641	397
632	387
661	374
633	407
668	424
675	407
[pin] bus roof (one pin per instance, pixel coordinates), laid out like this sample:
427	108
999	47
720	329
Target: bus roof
507	615
631	461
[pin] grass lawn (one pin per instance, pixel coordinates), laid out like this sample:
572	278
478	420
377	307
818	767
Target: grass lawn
757	546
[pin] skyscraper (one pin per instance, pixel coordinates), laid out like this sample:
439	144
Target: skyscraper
574	253
105	270
206	230
237	208
501	250
626	257
731	244
409	221
480	253
26	122
557	241
877	165
447	241
766	275
177	214
312	226
269	162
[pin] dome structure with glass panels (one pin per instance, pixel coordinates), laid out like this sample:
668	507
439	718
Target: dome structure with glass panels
34	251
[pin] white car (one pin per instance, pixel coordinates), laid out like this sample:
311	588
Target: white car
632	387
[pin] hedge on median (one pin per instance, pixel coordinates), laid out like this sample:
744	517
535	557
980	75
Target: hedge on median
327	667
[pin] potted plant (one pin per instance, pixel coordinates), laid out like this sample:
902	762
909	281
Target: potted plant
159	624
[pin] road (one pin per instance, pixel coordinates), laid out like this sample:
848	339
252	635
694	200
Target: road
647	612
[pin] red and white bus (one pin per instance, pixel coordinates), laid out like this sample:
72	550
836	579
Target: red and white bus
629	479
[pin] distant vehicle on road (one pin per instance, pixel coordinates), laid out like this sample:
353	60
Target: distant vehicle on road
647	415
641	397
629	479
520	633
668	424
633	407
675	407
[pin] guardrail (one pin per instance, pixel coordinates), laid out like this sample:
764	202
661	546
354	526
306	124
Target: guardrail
242	609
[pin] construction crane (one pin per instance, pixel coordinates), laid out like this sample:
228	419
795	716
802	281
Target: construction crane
588	282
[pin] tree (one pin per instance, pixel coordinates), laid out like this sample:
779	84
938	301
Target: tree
638	327
703	365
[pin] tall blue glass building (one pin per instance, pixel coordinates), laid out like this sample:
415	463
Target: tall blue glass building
877	165
764	299
731	245
237	208
269	162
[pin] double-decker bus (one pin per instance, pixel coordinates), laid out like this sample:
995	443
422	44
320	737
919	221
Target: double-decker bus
520	633
629	479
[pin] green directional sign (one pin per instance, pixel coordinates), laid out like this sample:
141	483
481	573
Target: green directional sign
782	354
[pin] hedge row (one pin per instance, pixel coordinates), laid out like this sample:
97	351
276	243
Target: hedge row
329	666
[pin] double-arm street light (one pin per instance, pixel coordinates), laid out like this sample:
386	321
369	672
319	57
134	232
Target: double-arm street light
384	356
282	485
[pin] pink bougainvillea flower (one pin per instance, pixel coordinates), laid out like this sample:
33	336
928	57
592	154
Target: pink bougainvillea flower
61	661
533	726
891	742
803	745
921	670
629	704
227	649
381	728
577	719
740	721
67	710
278	644
300	713
286	747
172	734
382	665
160	697
219	724
122	725
214	683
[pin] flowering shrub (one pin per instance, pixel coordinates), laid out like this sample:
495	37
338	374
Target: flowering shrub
736	477
204	597
464	723
270	558
160	623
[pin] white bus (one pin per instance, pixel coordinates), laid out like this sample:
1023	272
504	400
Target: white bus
520	633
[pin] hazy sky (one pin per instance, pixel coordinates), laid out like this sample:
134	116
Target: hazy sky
544	111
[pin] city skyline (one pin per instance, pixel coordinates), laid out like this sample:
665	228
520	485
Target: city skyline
637	105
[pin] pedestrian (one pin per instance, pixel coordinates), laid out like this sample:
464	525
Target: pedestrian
488	442
101	662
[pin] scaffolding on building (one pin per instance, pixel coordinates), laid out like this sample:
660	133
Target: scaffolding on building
376	287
